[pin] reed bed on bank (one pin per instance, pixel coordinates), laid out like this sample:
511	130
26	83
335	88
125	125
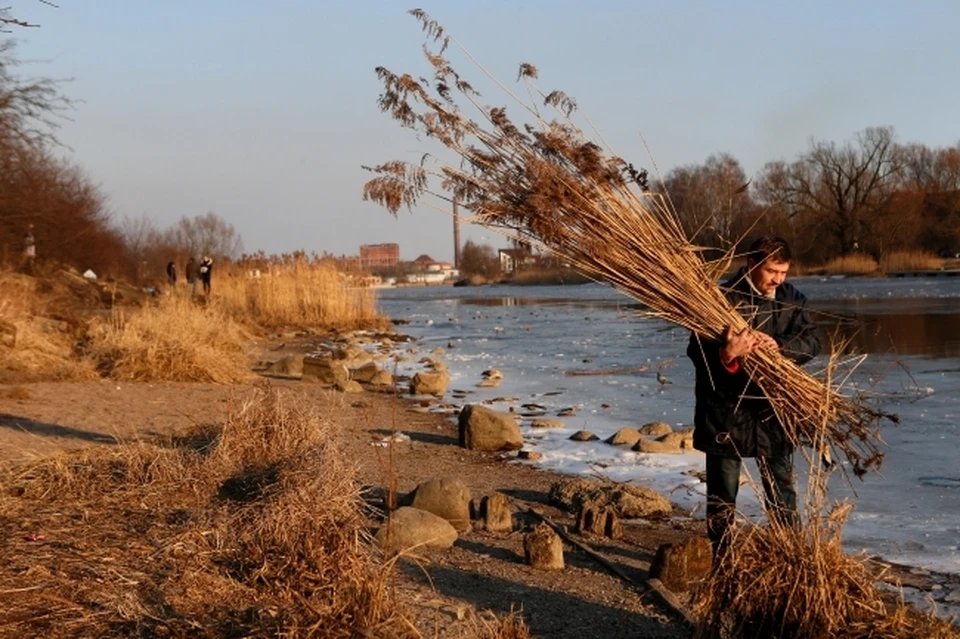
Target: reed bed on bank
175	340
252	527
853	264
33	346
546	182
316	296
910	261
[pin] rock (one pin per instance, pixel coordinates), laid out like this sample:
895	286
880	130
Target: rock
655	429
678	438
429	383
439	350
409	527
629	501
529	455
433	364
547	423
353	356
492	373
680	566
489	382
324	370
543	549
348	386
289	365
495	513
655	446
482	428
583	436
625	436
594	519
382	378
570	411
447	498
365	372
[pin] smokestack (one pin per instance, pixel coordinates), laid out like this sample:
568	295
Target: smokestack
456	235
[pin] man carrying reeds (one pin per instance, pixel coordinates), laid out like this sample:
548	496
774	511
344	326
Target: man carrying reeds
733	419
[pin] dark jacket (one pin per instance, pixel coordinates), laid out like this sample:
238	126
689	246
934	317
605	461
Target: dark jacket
732	417
192	270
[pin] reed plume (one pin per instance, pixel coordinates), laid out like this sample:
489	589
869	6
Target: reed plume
542	180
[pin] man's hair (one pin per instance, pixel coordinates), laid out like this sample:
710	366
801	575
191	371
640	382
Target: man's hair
769	246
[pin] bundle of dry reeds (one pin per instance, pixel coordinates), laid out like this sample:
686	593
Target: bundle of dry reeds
546	182
779	580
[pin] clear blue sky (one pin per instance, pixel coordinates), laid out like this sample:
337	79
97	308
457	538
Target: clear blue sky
263	112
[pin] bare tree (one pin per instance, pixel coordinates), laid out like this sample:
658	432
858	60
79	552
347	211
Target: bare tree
479	259
712	200
207	234
842	187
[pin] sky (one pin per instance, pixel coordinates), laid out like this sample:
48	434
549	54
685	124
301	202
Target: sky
264	112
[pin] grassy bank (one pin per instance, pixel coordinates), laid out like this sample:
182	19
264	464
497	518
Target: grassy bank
251	528
60	326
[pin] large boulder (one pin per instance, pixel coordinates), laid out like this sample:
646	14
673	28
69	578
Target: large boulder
352	355
482	428
546	422
424	383
348	386
682	565
291	365
324	370
447	498
628	500
543	549
365	372
382	378
655	429
657	446
682	438
625	436
409	527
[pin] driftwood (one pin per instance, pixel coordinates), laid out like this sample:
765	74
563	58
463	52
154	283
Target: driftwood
666	597
607	371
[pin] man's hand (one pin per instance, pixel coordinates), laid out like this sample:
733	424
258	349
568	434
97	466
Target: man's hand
743	343
737	344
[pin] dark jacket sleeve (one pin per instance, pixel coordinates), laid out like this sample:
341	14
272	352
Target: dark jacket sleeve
705	354
799	341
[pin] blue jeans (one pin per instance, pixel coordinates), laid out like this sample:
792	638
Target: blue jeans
723	484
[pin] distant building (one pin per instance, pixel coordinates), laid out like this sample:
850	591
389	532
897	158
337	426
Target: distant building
424	262
379	255
514	259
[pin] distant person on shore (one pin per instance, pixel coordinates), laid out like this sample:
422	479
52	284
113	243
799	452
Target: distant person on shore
29	250
206	270
172	273
192	272
733	420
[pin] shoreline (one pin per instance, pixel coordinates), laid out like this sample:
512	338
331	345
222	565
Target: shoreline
482	571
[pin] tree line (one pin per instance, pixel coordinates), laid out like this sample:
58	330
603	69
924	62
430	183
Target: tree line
869	194
52	199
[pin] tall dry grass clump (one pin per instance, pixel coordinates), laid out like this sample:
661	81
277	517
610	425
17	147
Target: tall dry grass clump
32	345
300	294
544	181
853	264
782	581
910	261
175	340
254	527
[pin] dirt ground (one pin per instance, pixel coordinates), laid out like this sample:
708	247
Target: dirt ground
444	591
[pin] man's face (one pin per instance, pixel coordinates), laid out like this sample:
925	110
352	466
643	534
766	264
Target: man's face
768	275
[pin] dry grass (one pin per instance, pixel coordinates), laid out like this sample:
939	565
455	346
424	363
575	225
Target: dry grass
301	295
544	181
19	392
32	345
853	264
910	261
781	581
252	528
175	340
